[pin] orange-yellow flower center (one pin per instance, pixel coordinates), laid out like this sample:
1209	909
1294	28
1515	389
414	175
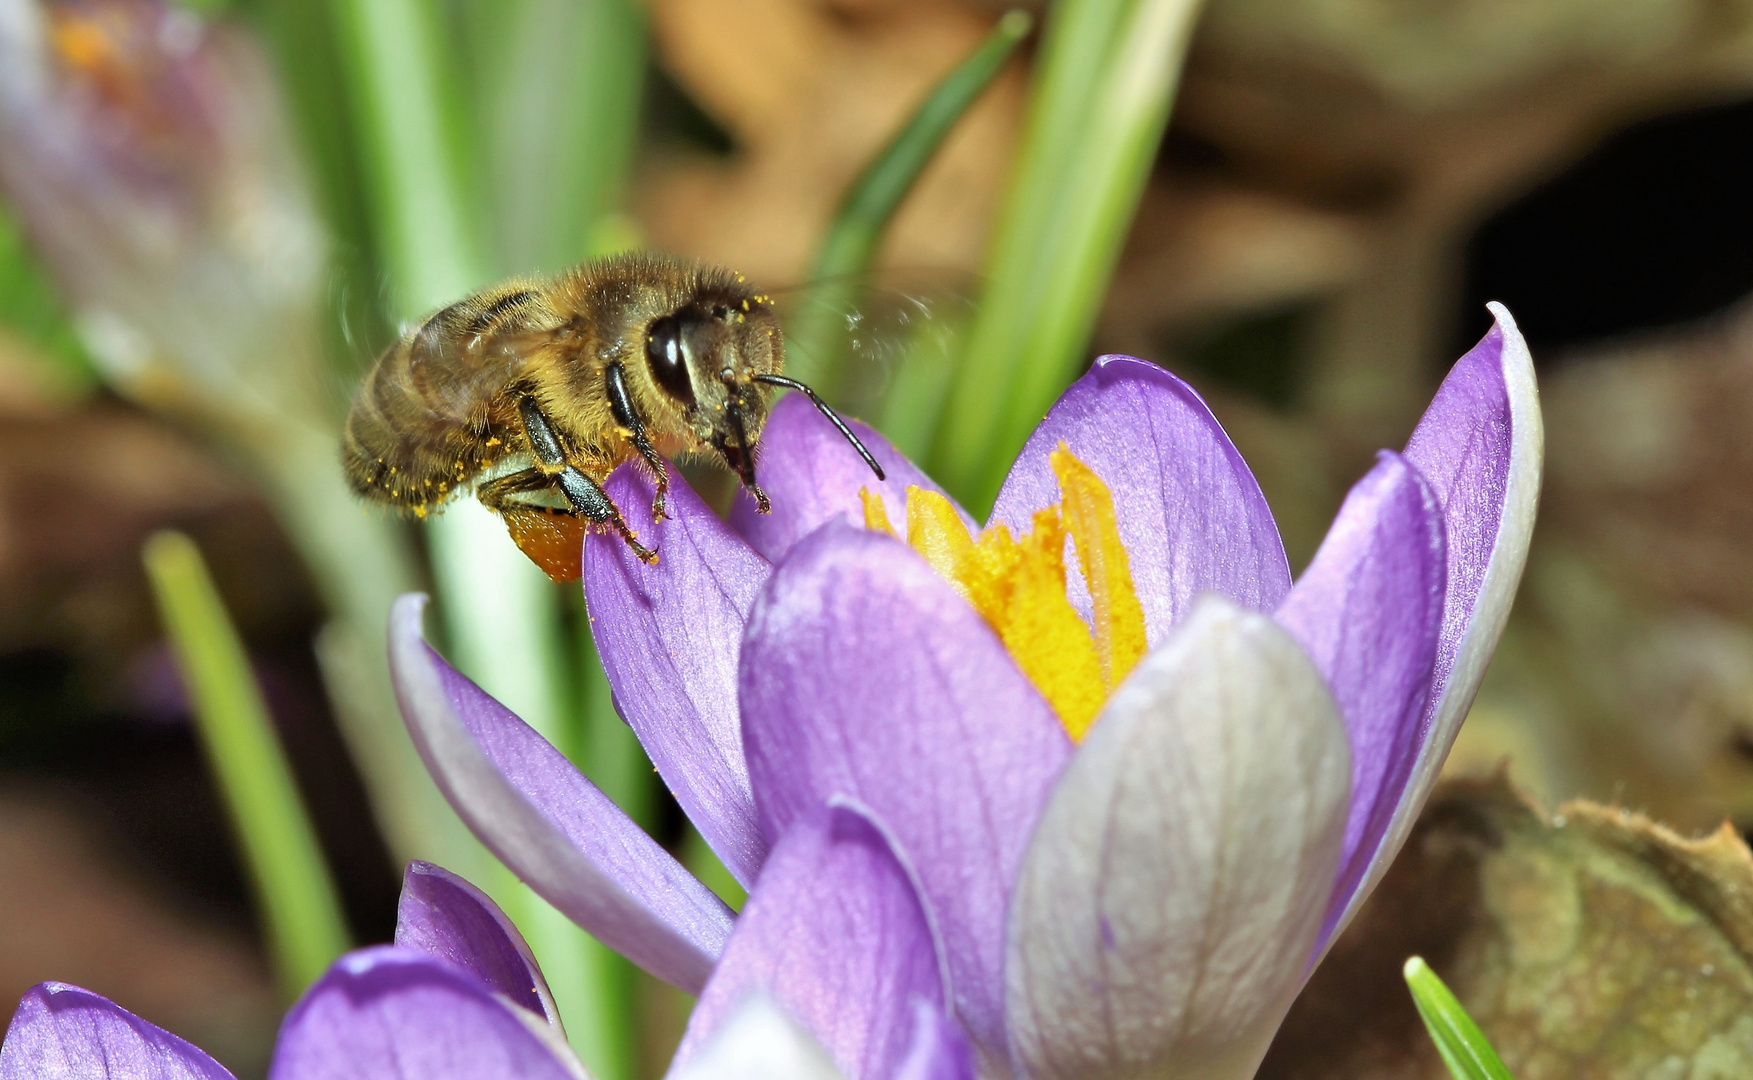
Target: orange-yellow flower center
1017	584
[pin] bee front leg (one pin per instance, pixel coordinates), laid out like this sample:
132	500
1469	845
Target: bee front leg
584	495
621	404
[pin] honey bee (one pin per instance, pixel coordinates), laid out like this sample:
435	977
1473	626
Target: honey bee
532	392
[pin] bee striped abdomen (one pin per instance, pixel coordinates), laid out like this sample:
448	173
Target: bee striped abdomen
435	411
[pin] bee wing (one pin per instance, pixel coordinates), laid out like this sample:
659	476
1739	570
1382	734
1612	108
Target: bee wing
463	356
903	326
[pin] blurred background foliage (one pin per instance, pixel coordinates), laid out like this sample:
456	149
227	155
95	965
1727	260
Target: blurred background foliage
269	189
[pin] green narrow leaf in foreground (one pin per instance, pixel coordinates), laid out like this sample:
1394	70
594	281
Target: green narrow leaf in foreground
852	238
1104	81
297	899
1458	1039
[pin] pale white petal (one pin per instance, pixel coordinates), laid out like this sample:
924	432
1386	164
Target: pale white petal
1171	894
759	1042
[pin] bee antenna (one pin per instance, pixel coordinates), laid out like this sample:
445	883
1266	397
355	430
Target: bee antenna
833	418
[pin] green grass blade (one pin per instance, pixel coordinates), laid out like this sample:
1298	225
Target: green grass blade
300	908
1463	1047
560	86
850	244
1103	86
394	54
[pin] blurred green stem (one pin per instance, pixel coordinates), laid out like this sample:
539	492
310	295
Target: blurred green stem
361	561
1103	85
394	54
501	617
850	244
300	908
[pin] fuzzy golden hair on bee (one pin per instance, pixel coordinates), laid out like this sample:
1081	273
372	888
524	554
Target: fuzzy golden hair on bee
532	392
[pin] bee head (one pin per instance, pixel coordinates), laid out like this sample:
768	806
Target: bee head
714	359
705	358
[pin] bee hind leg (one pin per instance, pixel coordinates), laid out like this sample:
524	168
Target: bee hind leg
586	497
621	405
590	500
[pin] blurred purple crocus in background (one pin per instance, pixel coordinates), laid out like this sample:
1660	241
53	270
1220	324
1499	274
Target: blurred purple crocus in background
459	996
1147	901
148	156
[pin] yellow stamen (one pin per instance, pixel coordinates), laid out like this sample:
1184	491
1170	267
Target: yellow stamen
1018	587
936	531
1089	517
876	515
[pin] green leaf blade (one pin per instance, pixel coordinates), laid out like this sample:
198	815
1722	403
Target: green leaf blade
849	246
1104	84
1464	1048
298	901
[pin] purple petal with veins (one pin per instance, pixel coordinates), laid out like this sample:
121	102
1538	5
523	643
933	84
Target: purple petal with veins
397	1014
442	914
1479	446
865	674
812	475
1190	512
547	822
834	934
938	1050
68	1033
668	636
1368	612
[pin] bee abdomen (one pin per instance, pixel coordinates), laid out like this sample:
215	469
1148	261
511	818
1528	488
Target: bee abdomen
425	422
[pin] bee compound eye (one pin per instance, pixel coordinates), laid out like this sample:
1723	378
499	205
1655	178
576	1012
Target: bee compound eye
666	353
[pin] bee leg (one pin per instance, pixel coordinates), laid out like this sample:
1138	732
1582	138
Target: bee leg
621	405
583	494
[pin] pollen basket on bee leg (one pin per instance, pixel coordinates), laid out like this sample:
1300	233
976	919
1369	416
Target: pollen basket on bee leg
553	540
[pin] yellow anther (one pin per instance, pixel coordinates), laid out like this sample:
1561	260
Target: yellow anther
1018	587
876	515
1117	615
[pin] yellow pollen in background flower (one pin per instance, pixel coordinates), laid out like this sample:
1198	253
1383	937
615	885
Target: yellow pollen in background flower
1018	587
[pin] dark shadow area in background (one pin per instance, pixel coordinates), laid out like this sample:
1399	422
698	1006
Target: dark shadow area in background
1652	229
145	782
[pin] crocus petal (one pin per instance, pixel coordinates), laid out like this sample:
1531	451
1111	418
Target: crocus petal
1165	912
64	1032
396	1014
548	823
938	1050
1368	613
1480	445
835	935
812	475
668	636
444	915
760	1042
1191	514
865	674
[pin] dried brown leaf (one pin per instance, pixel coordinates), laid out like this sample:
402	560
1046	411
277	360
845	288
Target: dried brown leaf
1595	945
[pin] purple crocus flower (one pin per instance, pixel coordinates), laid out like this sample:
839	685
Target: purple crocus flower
1149	900
806	982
